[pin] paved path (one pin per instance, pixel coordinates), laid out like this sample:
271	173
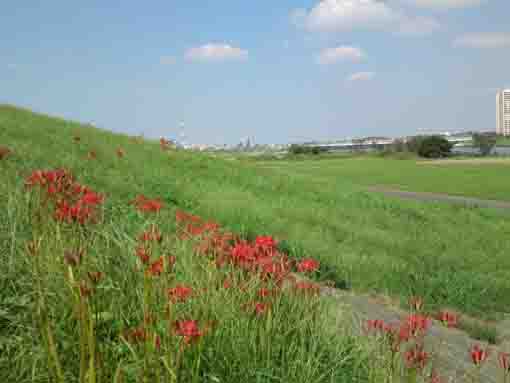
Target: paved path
437	197
454	363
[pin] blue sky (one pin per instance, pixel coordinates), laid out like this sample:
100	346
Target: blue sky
278	71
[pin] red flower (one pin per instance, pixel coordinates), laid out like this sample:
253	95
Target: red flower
435	378
146	205
264	292
265	241
375	324
73	257
307	287
227	284
447	318
95	276
85	291
504	361
308	265
416	357
92	198
151	235
143	254
260	308
478	355
418	324
188	329
179	293
4	152
157	267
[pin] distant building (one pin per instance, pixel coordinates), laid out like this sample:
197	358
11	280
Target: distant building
503	112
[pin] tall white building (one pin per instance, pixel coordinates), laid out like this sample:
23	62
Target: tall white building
503	112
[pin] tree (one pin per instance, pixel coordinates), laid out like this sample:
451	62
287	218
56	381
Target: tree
484	142
434	147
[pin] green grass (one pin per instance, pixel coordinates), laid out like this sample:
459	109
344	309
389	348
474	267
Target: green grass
485	181
48	326
450	255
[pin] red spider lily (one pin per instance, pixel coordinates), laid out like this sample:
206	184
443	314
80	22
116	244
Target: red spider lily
4	152
157	267
152	234
308	265
416	357
396	334
416	303
91	198
418	324
374	324
143	254
73	257
227	284
163	143
180	293
146	205
265	241
261	308
264	292
504	361
188	329
478	355
73	213
307	288
95	276
243	253
170	260
120	152
136	335
448	319
435	378
85	291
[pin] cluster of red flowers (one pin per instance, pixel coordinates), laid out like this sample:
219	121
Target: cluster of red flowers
164	144
261	256
410	330
146	250
72	201
146	205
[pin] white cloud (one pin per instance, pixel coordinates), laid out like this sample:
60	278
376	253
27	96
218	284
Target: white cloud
361	76
330	15
340	15
483	40
216	52
167	60
444	3
418	25
341	53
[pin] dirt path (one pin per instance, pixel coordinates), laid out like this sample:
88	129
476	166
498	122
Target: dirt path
454	363
437	197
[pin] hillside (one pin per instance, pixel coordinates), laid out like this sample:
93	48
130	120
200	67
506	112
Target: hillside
451	256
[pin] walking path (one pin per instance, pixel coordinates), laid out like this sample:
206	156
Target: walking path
453	363
437	197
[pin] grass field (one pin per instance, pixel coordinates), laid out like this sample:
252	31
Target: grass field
451	256
483	178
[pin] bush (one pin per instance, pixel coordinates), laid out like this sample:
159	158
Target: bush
304	149
434	147
484	142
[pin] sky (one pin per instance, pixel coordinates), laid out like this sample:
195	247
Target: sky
274	70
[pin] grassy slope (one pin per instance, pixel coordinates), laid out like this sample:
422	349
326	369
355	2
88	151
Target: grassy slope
450	255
